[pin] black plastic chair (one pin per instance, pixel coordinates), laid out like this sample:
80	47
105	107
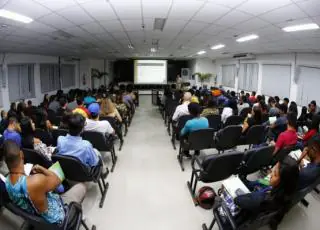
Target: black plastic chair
52	117
227	138
114	124
56	133
214	122
213	168
75	170
102	144
33	157
233	120
256	159
44	136
177	127
282	153
244	112
197	140
255	135
228	221
169	111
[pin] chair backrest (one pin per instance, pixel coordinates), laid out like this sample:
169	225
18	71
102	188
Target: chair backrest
51	115
228	137
97	139
256	159
244	112
233	120
73	168
57	133
220	167
282	153
214	122
201	139
255	135
181	122
33	157
44	136
263	219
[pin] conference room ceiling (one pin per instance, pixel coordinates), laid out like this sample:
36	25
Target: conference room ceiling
105	28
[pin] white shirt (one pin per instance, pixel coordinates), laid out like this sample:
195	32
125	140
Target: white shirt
227	112
98	126
181	110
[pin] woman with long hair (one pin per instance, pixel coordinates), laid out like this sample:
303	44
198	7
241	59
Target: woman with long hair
255	119
108	109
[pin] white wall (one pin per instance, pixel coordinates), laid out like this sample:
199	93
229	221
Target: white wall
82	73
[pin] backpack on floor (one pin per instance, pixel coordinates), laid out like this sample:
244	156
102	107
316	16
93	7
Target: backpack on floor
206	196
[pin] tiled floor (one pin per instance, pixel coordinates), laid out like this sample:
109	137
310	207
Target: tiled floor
148	190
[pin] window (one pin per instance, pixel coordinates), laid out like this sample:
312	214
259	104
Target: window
248	76
67	75
228	75
2	76
276	80
21	81
308	83
49	77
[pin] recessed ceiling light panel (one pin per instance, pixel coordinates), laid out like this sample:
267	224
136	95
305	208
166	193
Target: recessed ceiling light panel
201	52
14	16
219	46
309	26
247	38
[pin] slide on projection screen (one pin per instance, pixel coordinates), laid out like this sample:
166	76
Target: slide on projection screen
150	72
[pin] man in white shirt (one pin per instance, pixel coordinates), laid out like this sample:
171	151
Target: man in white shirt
94	124
182	109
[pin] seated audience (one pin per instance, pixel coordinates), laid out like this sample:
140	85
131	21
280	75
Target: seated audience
121	107
29	141
313	130
254	119
89	99
54	104
13	131
12	111
312	109
212	109
243	103
288	137
303	119
277	101
196	123
194	98
63	107
4	121
64	124
273	109
74	145
293	108
108	109
72	104
227	112
253	98
280	124
94	124
81	109
286	101
34	194
311	172
182	109
21	108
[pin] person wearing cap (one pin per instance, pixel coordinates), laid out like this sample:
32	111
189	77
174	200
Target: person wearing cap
311	172
197	123
93	124
182	109
81	109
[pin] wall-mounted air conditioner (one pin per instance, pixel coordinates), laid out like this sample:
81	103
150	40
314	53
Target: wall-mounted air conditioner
244	56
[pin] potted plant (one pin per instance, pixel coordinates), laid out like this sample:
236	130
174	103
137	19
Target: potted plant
95	73
203	76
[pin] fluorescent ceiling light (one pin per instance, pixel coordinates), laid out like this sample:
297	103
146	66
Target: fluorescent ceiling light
15	16
201	52
153	50
130	46
216	47
310	26
247	38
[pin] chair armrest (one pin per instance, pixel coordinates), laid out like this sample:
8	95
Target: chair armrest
228	215
77	213
196	160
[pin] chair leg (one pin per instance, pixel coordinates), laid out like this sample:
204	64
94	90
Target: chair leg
103	186
114	159
83	223
204	226
173	141
192	186
180	158
316	190
305	203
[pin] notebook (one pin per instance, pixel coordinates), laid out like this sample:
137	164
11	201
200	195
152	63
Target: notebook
296	154
28	168
56	168
233	184
272	120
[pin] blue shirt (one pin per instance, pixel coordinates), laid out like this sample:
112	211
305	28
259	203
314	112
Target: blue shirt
308	175
12	135
194	125
76	147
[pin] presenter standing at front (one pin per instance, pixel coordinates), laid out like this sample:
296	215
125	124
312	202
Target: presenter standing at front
179	81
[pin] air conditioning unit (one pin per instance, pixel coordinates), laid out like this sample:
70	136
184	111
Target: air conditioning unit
185	74
244	56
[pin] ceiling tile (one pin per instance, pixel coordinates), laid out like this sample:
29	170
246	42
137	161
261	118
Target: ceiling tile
156	9
252	24
127	9
283	14
311	7
111	25
56	4
233	18
174	25
56	21
295	22
39	27
133	25
93	28
195	27
76	15
184	10
27	8
262	6
229	3
211	12
100	10
214	29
